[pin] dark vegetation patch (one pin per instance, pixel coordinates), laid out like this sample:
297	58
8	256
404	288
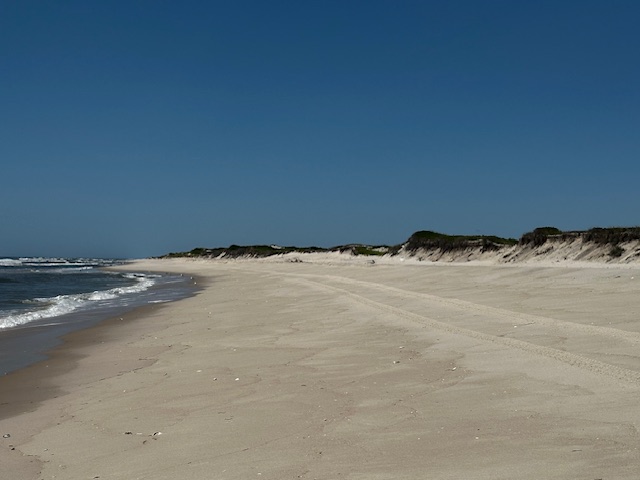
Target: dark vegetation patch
430	240
600	236
357	249
614	235
262	251
616	251
236	251
539	236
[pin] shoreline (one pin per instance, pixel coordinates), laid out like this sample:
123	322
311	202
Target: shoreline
28	343
60	356
284	368
25	389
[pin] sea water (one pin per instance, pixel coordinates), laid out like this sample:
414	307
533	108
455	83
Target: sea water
41	299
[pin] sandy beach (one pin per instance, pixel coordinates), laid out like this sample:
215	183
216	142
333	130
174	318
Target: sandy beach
339	368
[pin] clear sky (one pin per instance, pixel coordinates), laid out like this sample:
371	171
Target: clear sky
136	128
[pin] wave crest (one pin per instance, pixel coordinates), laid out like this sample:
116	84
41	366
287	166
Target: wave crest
64	304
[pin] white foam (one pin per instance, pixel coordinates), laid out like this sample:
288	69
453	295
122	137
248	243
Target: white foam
45	262
9	262
64	304
70	269
97	296
59	305
54	262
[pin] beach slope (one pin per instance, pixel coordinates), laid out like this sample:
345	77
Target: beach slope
345	369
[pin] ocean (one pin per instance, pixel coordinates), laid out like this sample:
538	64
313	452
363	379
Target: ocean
41	299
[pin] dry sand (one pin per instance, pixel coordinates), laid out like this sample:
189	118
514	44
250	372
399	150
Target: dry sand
338	369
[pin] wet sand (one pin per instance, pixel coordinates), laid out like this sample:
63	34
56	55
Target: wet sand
344	370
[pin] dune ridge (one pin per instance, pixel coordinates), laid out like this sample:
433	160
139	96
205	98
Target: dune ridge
618	245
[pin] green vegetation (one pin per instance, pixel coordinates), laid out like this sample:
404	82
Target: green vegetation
358	249
427	239
430	240
616	251
196	252
539	236
260	251
612	235
601	236
364	250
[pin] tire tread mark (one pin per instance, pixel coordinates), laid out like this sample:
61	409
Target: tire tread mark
574	360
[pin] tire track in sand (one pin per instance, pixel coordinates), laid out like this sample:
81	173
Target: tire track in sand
525	318
588	364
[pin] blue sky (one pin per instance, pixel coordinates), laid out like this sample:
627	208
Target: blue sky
132	129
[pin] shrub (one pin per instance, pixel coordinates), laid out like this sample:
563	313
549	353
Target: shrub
616	251
539	236
433	240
